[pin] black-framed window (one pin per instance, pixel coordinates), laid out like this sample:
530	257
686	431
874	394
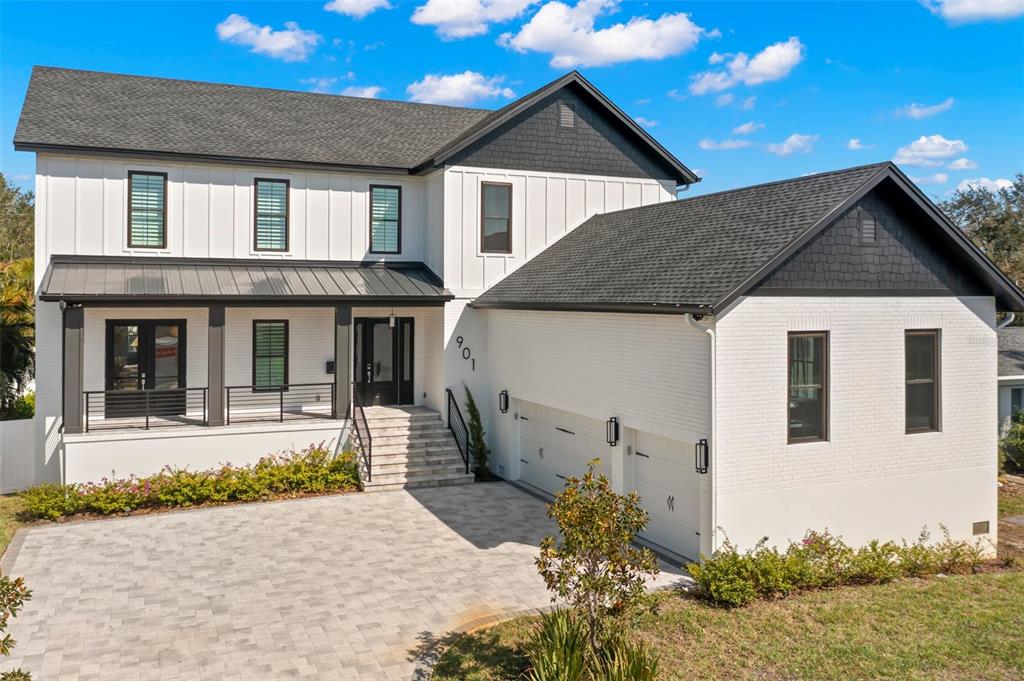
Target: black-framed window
147	209
385	219
1016	402
923	385
269	353
808	386
495	217
271	215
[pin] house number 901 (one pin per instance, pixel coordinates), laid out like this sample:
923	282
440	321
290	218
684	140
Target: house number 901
466	354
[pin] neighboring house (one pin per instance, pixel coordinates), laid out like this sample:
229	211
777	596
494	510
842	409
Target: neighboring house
255	265
1011	374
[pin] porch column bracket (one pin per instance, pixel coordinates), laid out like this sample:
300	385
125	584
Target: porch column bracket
215	365
74	333
342	360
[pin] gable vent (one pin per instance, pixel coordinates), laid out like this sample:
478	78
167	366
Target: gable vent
566	116
868	229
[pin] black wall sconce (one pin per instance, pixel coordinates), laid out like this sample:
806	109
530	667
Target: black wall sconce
503	401
611	430
701	457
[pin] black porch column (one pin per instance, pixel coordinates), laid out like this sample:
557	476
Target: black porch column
215	366
342	360
74	333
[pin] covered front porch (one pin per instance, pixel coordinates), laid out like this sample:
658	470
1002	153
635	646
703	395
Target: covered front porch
177	348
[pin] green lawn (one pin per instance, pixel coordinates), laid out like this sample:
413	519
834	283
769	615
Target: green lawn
945	628
10	506
1011	496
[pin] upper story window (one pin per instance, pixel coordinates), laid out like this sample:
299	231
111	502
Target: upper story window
385	219
808	386
147	209
922	375
496	218
271	215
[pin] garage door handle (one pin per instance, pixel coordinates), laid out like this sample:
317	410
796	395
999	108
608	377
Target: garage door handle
559	476
646	456
523	461
564	430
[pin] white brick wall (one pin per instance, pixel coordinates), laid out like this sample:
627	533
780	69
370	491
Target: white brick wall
871	479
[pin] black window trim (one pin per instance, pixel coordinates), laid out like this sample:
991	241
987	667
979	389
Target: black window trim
826	380
287	214
483	217
163	243
255	323
371	249
937	380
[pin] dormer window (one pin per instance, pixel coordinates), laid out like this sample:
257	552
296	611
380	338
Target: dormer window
147	209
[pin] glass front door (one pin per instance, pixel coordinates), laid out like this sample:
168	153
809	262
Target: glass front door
145	355
383	361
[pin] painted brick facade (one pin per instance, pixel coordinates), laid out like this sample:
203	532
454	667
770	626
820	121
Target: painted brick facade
871	479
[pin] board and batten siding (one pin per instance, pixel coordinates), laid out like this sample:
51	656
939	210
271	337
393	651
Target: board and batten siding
545	206
870	480
83	210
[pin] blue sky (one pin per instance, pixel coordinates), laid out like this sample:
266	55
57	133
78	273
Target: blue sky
743	92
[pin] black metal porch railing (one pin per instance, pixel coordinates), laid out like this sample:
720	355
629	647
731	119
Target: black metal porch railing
361	431
246	403
457	425
145	409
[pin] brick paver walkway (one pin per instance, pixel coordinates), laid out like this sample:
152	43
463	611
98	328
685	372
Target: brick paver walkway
351	587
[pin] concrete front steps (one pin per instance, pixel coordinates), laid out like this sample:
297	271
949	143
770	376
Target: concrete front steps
412	448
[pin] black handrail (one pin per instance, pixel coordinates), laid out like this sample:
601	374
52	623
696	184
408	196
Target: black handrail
457	426
247	403
146	408
364	441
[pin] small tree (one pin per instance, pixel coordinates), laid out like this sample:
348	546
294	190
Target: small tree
477	444
595	567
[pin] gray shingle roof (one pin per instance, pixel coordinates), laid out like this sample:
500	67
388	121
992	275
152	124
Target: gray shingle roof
118	278
1011	351
681	254
65	107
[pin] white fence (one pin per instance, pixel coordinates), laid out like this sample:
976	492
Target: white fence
17	455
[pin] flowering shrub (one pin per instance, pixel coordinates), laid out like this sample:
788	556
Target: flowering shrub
310	471
732	578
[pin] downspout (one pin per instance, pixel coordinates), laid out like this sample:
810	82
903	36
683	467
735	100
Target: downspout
712	416
1010	317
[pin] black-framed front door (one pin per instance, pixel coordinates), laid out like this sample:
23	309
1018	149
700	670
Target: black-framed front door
383	366
145	354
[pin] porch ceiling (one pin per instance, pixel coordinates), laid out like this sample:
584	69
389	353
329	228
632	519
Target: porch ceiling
118	279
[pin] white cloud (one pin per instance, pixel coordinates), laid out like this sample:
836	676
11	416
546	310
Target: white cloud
724	145
646	122
365	91
929	151
569	35
795	143
967	11
718	57
747	128
919	111
748	103
291	43
856	145
676	95
937	178
356	8
322	84
984	183
962	164
464	18
772	63
458	88
724	99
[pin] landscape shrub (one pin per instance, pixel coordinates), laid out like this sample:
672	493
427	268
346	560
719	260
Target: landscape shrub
1011	446
311	471
13	595
732	578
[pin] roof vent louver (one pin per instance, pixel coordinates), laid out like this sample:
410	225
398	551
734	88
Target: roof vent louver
566	116
868	229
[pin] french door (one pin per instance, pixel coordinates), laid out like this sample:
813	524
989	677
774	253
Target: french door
383	355
145	354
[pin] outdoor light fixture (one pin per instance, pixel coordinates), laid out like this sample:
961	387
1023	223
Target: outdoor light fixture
611	430
700	456
503	401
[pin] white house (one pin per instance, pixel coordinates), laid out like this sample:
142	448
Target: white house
226	271
1011	374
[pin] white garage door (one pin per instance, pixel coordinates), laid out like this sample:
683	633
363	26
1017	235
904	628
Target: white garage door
555	444
669	490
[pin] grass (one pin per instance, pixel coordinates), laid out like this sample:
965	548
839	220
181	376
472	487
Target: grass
946	628
10	507
954	628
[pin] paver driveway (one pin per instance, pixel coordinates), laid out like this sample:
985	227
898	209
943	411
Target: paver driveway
347	587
